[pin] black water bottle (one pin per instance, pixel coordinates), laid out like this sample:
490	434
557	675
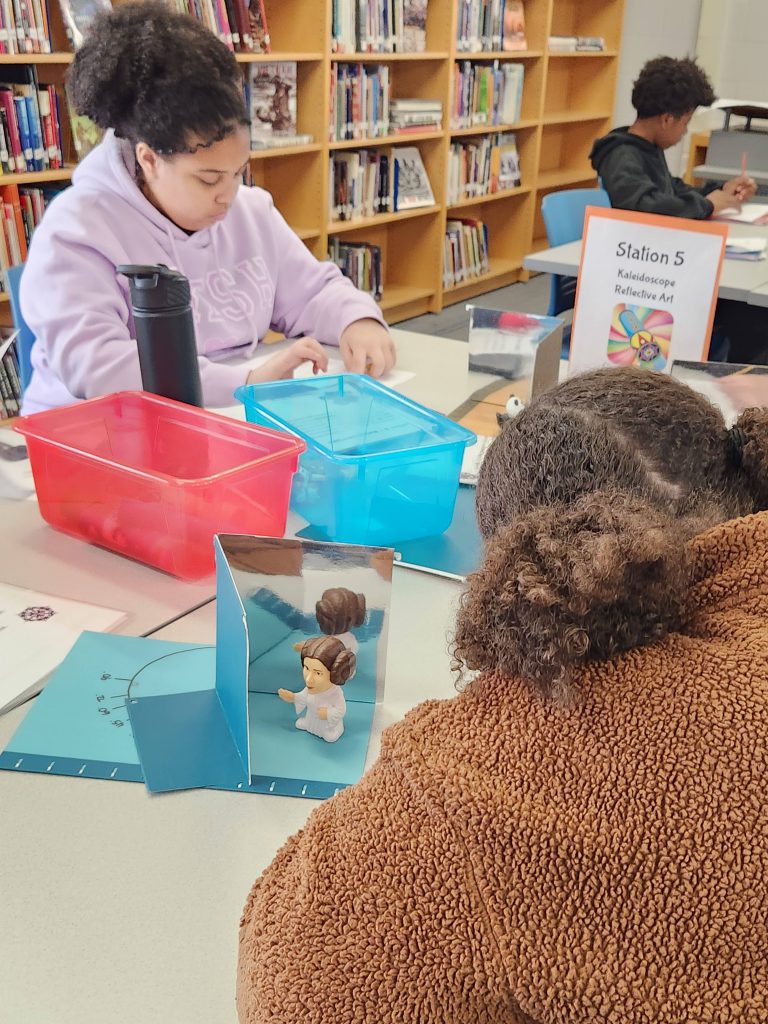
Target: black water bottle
165	332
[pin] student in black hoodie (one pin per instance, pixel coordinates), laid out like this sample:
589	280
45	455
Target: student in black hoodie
631	162
634	173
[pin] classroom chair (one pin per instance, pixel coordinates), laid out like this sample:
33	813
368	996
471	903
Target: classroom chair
563	214
26	338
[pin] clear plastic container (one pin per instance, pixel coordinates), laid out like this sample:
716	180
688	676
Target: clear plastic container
155	479
378	468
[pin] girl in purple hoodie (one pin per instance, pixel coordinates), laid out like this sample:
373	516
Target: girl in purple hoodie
166	186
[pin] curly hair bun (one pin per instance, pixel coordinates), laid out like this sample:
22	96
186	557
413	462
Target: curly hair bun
753	428
564	584
156	76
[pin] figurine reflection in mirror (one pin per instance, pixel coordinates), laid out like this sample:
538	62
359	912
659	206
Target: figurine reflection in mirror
338	611
327	665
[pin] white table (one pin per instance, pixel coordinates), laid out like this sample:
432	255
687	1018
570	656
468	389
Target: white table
759	297
120	907
738	279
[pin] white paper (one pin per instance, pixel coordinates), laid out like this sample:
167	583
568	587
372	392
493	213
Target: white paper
36	631
749	213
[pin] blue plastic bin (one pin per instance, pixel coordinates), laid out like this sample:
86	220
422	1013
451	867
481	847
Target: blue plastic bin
378	468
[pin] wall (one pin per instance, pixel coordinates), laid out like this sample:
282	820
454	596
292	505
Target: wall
654	28
733	42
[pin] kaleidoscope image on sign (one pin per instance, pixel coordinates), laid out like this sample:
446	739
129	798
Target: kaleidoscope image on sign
640	336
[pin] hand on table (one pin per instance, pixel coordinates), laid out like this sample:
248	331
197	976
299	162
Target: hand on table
282	365
367	347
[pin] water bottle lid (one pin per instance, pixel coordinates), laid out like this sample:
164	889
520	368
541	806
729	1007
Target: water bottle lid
155	287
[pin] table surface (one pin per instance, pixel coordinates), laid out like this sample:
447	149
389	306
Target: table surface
738	279
123	907
759	296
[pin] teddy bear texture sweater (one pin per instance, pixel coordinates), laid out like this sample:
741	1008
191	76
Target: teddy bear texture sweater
508	859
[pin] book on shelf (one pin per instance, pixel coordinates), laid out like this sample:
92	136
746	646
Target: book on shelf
415	115
590	44
360	262
505	163
272	102
10	381
240	24
378	26
576	44
21	210
513	29
411	182
479	26
30	126
482	167
77	16
360	101
465	251
360	184
24	27
257	36
486	93
414	26
280	141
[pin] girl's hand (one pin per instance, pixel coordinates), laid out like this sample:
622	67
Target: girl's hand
367	347
322	714
286	695
282	365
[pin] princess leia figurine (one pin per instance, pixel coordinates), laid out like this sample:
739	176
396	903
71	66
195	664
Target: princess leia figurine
327	665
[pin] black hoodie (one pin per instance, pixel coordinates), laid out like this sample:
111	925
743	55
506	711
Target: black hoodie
635	175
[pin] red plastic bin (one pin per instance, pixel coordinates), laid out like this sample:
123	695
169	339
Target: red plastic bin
155	479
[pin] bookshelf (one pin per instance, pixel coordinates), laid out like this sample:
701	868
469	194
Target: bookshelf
567	102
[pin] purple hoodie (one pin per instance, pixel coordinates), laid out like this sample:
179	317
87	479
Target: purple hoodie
249	272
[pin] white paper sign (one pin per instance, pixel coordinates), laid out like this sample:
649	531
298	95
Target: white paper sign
647	290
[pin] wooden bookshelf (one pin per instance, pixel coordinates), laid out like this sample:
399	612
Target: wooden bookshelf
567	103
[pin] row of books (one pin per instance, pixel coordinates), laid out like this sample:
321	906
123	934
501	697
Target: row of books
490	25
576	44
415	115
241	24
379	26
360	262
486	94
465	251
483	167
24	27
270	96
363	183
22	210
360	101
10	383
30	123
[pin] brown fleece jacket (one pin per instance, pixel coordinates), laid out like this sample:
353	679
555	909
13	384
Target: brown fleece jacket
508	859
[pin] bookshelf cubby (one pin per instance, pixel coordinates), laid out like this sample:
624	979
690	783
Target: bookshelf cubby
567	102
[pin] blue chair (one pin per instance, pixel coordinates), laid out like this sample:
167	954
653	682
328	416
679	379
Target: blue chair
26	338
563	214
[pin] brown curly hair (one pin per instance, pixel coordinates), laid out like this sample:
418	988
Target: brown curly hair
333	654
158	77
587	500
668	85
